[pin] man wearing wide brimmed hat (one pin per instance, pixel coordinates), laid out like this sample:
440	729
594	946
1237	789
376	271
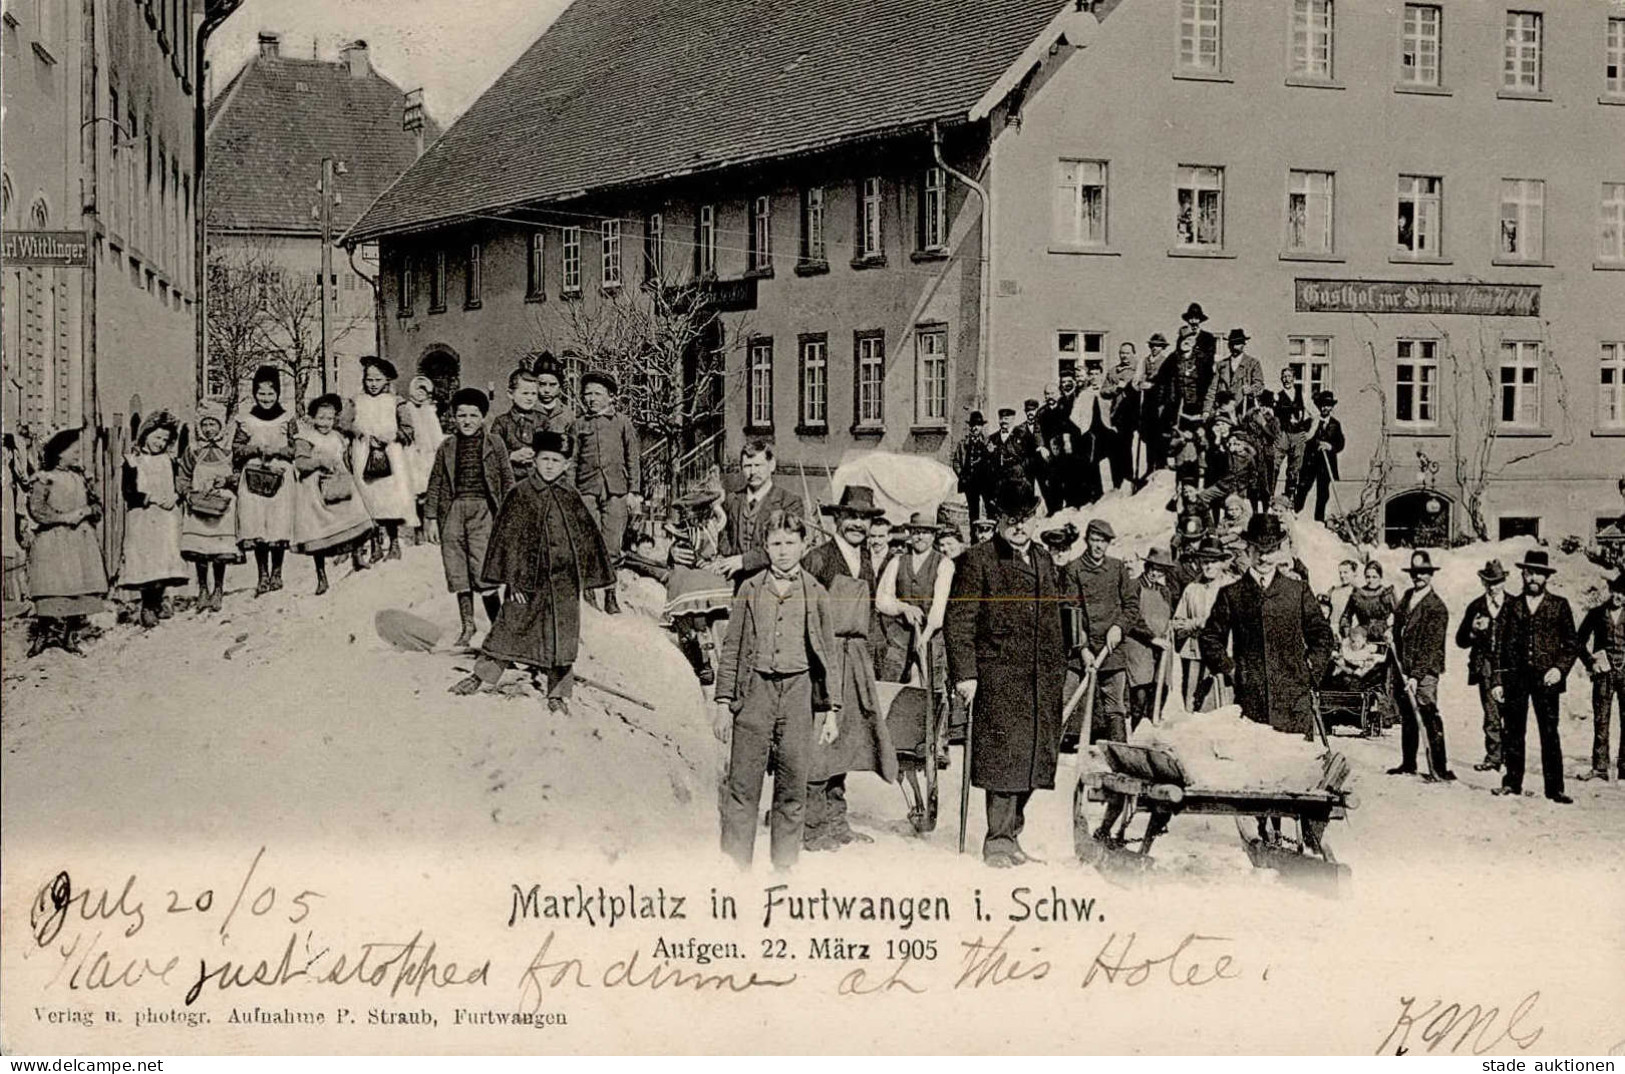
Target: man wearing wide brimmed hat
973	463
1420	621
1479	633
1237	372
1267	635
1602	646
1538	647
608	470
1205	343
1003	631
845	554
1320	453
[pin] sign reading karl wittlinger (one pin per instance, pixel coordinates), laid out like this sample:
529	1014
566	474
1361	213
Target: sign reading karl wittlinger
1418	296
45	249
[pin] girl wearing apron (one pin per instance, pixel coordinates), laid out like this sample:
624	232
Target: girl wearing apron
152	520
329	517
208	483
381	427
263	452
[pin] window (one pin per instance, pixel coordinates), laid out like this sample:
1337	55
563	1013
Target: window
869	236
1419	49
437	283
654	248
1614	65
1075	349
609	235
1520	384
934	211
1521	60
1523	212
1612	247
1199	194
1080	202
705	241
761	234
1310	359
1510	526
1199	24
473	281
1309	212
1312	38
869	367
812	226
570	262
814	383
760	398
404	285
1416	382
931	376
1611	387
535	266
1421	214
116	202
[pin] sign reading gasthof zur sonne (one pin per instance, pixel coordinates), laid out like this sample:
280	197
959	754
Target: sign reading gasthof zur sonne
45	249
1424	296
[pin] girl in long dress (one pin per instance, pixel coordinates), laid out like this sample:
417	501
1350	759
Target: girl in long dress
380	425
263	452
427	436
208	484
329	517
67	578
152	518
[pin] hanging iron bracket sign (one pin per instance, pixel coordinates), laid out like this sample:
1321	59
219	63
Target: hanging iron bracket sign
1436	297
44	249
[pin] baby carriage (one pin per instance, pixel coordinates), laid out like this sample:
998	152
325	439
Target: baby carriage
1355	693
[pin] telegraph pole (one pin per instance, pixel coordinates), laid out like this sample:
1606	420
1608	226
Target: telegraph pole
329	198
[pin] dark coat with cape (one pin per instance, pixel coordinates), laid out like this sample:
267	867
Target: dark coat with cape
1281	645
1003	630
546	546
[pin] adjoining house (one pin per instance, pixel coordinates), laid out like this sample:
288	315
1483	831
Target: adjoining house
1420	207
272	131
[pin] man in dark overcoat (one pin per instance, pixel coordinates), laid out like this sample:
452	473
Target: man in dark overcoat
1003	634
1281	643
742	542
1421	622
1538	647
1479	633
1111	597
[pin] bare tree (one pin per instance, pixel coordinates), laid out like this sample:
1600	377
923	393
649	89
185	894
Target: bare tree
236	347
1362	525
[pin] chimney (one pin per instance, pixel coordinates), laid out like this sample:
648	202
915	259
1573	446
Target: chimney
412	116
356	57
270	45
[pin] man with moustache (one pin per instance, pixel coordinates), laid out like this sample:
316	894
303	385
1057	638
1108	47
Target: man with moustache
743	541
1420	620
1320	450
1538	647
1602	645
1479	633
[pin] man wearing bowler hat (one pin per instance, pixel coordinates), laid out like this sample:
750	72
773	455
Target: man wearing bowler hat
1602	645
1320	453
1479	633
1238	373
1420	621
607	468
973	464
1206	344
1538	647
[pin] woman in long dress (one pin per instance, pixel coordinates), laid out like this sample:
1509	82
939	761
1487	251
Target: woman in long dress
380	425
329	517
426	437
208	485
263	452
152	519
67	578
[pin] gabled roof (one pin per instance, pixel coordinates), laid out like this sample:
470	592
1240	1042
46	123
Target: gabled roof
270	128
626	91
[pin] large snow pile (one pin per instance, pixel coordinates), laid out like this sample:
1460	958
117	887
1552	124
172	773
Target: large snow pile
903	484
1222	750
1141	519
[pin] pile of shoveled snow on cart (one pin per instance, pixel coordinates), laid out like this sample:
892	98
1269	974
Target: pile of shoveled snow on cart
1223	751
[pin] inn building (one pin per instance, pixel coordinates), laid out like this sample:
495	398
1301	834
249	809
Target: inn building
909	213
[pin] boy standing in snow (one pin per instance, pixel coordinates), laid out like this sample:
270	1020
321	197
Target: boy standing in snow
545	547
468	480
778	665
516	428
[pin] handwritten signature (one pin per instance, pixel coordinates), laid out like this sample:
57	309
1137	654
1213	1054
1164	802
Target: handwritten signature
1437	1022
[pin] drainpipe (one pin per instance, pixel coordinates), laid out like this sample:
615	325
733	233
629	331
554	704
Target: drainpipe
215	12
984	325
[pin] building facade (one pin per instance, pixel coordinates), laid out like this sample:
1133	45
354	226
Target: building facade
1418	206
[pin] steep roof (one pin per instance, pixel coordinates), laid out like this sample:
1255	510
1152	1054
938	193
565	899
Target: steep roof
621	91
270	128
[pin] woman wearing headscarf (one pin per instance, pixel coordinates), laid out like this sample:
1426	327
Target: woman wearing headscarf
152	518
207	481
66	575
262	450
380	423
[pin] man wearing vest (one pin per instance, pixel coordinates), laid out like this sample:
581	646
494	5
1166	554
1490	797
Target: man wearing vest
915	588
1537	649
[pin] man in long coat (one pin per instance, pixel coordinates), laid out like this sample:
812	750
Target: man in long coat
1479	633
1538	647
1420	626
1112	600
1281	643
1003	635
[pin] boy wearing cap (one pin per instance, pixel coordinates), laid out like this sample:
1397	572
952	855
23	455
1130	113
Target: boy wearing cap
1602	645
1112	600
1479	633
1420	622
1537	647
545	548
468	481
608	470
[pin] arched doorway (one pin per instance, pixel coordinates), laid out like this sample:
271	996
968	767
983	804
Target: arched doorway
1420	518
445	370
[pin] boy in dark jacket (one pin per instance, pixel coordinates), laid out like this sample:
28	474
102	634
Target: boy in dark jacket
516	428
470	478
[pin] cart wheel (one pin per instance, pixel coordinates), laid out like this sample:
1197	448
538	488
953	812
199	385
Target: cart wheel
1088	848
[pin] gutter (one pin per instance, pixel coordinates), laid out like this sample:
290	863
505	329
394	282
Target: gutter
215	12
984	325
